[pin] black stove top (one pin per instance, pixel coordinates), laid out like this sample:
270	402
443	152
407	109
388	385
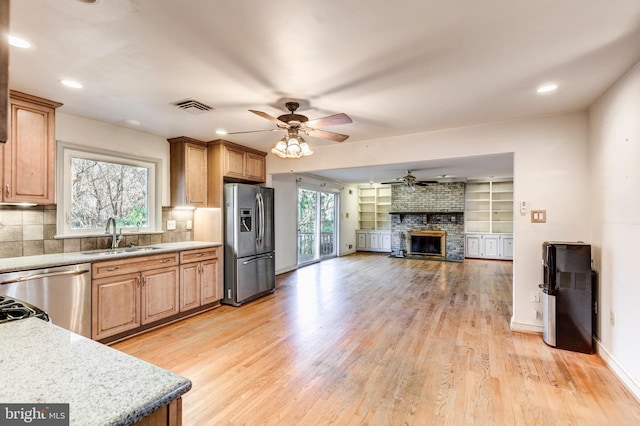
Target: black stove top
12	309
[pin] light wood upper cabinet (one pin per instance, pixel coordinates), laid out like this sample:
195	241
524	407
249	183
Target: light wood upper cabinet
242	163
188	171
28	158
229	162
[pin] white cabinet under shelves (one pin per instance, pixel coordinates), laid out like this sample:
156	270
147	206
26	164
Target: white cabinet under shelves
368	240
489	207
489	246
374	205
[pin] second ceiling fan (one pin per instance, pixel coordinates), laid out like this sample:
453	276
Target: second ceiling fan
409	180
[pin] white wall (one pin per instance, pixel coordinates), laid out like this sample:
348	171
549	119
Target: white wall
615	223
550	172
84	131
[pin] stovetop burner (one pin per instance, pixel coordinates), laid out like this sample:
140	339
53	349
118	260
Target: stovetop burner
12	309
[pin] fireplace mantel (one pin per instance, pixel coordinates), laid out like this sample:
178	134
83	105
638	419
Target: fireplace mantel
403	214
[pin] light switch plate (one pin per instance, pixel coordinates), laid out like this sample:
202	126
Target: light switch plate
171	225
538	216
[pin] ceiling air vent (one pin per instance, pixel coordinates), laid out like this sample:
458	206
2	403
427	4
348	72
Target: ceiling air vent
193	106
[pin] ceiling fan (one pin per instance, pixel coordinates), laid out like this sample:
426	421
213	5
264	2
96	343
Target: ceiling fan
292	145
409	181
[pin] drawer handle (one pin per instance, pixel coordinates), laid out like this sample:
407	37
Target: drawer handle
113	269
200	254
165	260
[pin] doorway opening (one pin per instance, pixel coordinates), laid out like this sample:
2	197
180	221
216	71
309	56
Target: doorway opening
317	225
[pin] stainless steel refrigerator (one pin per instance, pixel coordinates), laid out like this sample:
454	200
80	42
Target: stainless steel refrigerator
249	257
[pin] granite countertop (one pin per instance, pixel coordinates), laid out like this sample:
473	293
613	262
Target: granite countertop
42	363
13	264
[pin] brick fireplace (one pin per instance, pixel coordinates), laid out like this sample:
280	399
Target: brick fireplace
435	207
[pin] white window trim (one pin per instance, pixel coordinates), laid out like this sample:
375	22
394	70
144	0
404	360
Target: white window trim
66	150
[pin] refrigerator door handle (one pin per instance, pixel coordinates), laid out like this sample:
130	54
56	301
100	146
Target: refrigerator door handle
257	258
260	228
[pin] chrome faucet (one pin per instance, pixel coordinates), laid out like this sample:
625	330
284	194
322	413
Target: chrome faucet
115	238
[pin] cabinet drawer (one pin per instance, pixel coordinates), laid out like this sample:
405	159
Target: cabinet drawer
138	264
198	255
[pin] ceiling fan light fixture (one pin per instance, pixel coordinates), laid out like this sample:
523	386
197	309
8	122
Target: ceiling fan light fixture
291	146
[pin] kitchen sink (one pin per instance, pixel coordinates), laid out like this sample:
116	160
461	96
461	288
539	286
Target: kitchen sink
109	252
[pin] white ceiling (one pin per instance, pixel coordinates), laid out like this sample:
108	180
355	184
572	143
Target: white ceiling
395	67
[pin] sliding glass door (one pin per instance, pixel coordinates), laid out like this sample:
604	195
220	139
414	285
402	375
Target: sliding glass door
317	225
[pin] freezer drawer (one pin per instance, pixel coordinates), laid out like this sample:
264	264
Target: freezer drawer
252	277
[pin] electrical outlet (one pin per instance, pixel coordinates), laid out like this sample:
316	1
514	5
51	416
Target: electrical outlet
535	296
189	224
538	315
171	225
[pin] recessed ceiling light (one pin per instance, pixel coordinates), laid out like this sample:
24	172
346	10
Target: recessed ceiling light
72	84
132	122
547	88
19	42
221	132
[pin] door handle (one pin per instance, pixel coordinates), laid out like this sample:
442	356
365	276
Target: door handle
44	275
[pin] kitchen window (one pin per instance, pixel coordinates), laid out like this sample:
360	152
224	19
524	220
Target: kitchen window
94	185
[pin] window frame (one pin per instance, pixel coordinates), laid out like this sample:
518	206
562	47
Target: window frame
65	151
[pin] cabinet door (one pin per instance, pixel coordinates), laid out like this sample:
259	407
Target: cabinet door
255	167
507	247
386	242
374	240
29	156
211	290
196	175
189	286
361	240
472	245
491	246
160	294
233	162
115	305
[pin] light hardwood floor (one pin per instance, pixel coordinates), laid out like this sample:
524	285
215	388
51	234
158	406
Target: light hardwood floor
367	339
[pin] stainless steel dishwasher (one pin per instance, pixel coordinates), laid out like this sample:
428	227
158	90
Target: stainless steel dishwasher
63	292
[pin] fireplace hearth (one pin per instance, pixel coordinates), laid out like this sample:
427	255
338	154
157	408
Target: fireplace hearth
432	243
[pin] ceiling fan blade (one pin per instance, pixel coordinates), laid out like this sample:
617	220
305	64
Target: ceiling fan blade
331	120
270	118
253	131
323	134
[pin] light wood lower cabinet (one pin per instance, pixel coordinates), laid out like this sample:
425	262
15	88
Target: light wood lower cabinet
129	293
200	278
160	294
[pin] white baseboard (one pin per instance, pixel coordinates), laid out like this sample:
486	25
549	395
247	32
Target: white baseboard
286	269
525	327
629	381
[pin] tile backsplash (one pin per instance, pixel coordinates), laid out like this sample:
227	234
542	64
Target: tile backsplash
27	231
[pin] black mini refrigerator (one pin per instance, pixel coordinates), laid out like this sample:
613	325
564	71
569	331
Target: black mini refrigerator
567	296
